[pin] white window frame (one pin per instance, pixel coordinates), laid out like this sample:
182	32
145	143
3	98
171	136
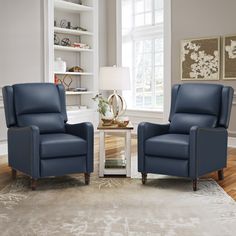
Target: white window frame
167	56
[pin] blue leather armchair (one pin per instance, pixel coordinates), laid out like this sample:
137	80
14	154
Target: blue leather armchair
194	143
40	142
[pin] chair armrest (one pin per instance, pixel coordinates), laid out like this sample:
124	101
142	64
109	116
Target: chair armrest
147	130
23	150
208	150
85	131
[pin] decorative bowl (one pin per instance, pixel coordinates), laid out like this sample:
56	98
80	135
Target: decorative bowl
106	122
122	121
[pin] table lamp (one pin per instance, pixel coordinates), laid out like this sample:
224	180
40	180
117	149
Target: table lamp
115	78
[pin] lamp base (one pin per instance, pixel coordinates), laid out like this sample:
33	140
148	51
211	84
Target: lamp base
117	104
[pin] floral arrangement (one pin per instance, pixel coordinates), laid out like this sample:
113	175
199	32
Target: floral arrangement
103	105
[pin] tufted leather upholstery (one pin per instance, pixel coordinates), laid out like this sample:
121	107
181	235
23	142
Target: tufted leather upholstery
195	141
40	142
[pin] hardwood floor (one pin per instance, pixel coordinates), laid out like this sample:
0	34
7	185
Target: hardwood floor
229	182
115	145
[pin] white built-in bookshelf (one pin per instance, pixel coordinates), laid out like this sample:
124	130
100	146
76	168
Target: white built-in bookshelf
83	14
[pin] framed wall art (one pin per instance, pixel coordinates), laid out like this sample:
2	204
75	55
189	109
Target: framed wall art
229	57
200	59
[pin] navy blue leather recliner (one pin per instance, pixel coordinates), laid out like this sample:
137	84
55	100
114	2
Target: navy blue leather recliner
194	143
40	142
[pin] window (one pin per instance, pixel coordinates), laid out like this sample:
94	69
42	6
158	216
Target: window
142	51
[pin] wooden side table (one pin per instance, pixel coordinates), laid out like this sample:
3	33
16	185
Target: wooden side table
102	158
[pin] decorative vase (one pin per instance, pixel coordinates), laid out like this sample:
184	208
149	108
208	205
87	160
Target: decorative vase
59	65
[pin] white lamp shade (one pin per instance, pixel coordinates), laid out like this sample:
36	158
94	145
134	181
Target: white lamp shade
114	78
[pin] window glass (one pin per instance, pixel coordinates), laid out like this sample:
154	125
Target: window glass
142	52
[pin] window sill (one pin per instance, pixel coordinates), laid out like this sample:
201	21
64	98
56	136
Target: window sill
144	114
144	110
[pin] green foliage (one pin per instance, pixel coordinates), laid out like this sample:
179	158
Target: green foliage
103	105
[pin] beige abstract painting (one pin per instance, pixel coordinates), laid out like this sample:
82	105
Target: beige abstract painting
200	59
229	57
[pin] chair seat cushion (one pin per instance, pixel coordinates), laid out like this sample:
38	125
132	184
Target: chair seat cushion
61	145
168	145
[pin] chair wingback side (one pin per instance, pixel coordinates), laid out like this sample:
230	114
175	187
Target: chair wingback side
9	107
40	104
226	106
203	105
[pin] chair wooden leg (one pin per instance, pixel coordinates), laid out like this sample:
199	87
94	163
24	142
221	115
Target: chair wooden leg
221	174
13	173
87	178
144	178
194	184
33	184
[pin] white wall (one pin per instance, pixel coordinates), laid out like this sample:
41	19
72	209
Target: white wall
202	18
102	32
21	46
107	32
111	32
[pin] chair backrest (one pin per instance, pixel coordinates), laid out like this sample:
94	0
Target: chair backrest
40	104
203	105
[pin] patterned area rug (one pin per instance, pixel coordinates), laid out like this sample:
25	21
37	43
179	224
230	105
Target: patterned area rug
116	206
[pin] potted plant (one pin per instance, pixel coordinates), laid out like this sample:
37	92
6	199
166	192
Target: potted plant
104	109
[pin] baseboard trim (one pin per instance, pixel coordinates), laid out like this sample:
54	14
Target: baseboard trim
3	148
232	142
